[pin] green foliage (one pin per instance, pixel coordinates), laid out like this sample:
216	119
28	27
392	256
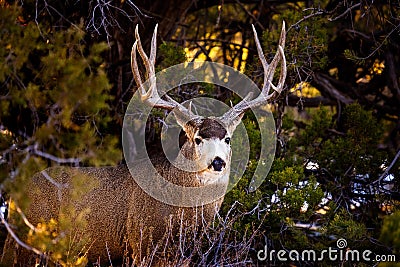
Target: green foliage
65	248
351	55
313	134
171	55
343	225
54	109
15	44
390	234
305	42
64	237
357	130
56	89
294	193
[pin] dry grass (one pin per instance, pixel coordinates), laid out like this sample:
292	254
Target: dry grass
223	242
218	244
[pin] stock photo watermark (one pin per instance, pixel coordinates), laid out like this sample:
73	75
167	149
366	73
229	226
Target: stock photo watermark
341	253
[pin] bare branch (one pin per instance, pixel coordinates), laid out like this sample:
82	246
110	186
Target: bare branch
325	85
15	237
26	221
250	14
344	13
386	172
380	45
59	186
103	15
109	256
42	154
317	13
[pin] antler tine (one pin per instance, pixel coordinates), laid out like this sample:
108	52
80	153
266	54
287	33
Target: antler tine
147	63
260	54
283	73
279	53
153	48
150	97
282	76
135	70
269	69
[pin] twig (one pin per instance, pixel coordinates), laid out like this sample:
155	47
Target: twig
108	254
344	13
386	172
37	152
106	19
31	226
220	7
380	45
58	185
209	40
318	13
48	7
15	237
251	15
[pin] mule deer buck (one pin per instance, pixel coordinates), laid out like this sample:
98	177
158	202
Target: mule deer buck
118	208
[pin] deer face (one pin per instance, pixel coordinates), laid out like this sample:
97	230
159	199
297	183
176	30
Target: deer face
207	145
212	145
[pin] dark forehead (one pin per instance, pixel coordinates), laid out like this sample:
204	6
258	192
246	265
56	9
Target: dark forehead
211	128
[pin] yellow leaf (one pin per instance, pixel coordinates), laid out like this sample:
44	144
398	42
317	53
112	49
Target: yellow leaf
82	261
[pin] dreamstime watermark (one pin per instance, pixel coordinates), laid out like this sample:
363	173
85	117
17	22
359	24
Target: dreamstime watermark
340	253
135	122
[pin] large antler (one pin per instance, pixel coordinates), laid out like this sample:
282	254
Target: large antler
235	113
151	97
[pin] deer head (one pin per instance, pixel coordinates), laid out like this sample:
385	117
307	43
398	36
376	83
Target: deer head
206	149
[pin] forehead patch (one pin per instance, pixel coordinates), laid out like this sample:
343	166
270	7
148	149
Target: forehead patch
211	128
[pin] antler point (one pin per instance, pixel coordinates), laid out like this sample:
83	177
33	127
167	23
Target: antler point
137	36
277	89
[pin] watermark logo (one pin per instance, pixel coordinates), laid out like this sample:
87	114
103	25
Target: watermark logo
341	243
135	122
340	253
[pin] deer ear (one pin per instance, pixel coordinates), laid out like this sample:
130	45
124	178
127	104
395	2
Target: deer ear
181	117
188	123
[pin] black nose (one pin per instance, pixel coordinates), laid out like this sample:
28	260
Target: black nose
218	164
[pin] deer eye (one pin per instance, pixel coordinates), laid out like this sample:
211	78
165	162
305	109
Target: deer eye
227	140
198	141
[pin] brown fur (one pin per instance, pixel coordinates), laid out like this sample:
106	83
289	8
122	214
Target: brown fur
211	128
